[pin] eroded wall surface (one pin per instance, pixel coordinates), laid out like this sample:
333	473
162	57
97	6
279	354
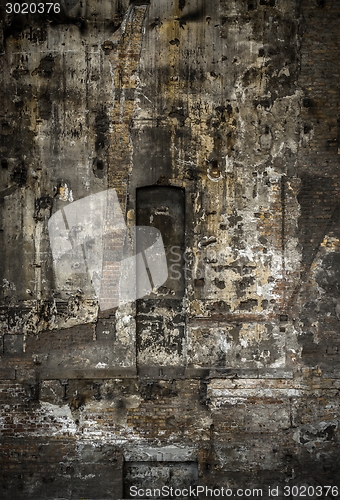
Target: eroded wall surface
218	124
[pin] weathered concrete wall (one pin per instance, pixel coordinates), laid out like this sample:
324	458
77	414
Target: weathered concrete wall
217	123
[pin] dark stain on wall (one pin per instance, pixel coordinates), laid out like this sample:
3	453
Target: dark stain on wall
101	128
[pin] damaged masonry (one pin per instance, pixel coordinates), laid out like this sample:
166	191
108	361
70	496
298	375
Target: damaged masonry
170	249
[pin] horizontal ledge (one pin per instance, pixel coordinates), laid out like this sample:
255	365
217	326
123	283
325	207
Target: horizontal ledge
91	373
163	373
144	372
273	373
223	319
170	373
159	372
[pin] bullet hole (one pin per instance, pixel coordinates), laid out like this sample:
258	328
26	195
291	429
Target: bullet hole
229	109
219	283
181	4
208	19
307	129
266	129
214	172
261	52
283	317
175	41
4	164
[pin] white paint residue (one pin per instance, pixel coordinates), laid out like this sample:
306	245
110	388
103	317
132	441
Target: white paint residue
101	365
57	411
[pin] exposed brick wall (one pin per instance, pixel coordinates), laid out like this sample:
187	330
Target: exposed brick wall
318	167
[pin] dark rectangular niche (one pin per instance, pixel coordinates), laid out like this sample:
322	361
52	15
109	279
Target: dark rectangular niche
156	475
163	207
